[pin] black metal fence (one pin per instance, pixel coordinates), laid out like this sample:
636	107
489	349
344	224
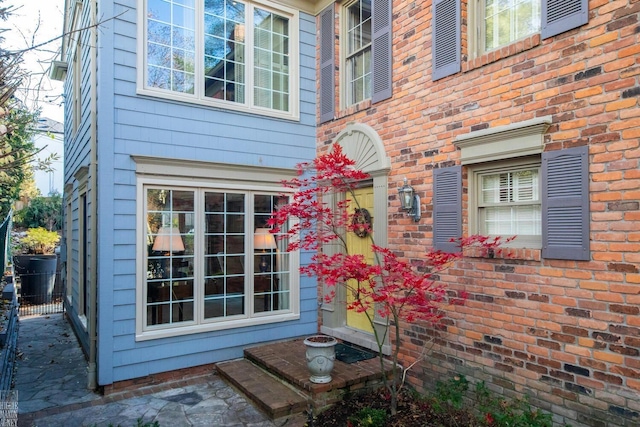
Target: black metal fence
5	230
35	303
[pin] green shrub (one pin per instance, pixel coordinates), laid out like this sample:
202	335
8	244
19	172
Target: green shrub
39	241
498	411
41	212
489	410
369	417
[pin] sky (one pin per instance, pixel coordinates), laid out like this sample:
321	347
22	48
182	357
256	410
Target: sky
35	22
32	23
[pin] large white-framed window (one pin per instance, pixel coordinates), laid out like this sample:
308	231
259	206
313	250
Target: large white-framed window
232	54
505	200
207	260
357	51
500	23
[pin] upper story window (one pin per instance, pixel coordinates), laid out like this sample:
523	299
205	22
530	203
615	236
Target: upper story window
496	24
504	21
232	54
358	52
365	55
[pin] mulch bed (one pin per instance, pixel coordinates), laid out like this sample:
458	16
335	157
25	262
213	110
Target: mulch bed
412	412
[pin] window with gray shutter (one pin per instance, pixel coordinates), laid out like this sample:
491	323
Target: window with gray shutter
565	204
559	16
382	60
447	208
445	38
327	64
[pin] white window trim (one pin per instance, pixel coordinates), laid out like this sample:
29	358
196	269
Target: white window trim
197	98
177	173
504	147
533	162
82	176
344	73
477	32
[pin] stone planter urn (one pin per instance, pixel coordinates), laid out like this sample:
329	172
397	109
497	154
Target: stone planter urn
321	354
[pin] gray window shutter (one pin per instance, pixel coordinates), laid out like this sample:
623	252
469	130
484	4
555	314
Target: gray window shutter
447	208
381	50
327	65
445	38
565	204
559	16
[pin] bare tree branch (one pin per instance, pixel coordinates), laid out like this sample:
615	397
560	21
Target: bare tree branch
39	45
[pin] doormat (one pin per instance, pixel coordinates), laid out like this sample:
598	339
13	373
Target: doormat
349	354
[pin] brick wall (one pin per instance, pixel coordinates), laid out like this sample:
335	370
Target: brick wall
567	333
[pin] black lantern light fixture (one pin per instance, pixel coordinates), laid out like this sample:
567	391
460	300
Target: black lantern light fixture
409	201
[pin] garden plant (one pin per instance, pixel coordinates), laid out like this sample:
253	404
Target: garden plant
390	287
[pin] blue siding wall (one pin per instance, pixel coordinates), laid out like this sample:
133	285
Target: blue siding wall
76	155
133	125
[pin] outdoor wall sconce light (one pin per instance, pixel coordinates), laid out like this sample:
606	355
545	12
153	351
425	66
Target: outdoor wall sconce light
409	201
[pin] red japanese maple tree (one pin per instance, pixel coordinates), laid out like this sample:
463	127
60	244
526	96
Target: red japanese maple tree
390	286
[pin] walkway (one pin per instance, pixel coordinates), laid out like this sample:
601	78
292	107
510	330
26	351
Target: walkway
51	382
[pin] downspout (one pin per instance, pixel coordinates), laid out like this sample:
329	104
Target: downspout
92	382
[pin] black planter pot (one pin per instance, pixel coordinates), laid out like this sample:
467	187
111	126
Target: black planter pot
37	277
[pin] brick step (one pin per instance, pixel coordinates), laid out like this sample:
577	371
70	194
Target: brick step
287	360
270	394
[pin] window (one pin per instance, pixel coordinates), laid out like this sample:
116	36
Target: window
358	52
233	54
503	22
516	188
506	202
210	260
493	24
365	55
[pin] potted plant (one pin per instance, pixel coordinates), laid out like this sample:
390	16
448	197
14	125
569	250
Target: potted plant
36	264
320	355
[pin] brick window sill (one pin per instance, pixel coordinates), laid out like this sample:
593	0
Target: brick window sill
523	254
513	49
353	109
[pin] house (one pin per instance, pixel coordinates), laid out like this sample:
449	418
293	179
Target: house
517	121
182	118
506	118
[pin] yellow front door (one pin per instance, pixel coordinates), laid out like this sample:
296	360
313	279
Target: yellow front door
359	245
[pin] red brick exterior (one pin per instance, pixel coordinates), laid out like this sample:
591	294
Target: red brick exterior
566	333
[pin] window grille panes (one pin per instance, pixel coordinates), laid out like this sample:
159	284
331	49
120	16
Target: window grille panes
170	256
271	60
246	52
271	280
171	45
210	256
510	203
506	21
224	254
358	49
224	50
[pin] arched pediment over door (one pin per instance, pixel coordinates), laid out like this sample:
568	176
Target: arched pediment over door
362	143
